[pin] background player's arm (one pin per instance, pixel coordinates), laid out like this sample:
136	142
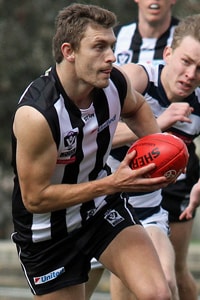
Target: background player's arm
177	111
194	202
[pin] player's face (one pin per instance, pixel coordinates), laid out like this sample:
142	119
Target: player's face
182	74
94	58
154	11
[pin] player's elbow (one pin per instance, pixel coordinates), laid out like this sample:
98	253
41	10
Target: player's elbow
32	203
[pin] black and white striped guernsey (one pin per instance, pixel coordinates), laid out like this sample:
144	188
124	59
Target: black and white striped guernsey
83	139
131	47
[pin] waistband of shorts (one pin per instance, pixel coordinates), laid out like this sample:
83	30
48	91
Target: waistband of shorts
145	212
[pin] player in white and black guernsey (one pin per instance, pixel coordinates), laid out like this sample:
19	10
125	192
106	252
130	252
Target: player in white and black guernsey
143	41
172	90
176	196
131	46
67	207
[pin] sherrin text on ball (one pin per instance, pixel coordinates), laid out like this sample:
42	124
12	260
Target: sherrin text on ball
168	152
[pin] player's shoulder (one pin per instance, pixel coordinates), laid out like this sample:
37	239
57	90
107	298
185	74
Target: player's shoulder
41	93
153	71
125	27
174	21
117	73
119	78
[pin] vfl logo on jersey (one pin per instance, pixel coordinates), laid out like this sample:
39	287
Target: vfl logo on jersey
48	277
124	57
67	156
113	217
70	141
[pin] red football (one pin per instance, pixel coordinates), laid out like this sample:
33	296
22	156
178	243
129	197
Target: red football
167	151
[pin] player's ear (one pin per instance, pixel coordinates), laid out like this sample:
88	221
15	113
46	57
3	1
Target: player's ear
68	52
167	53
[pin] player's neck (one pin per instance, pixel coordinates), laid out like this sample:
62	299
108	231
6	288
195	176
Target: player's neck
79	92
153	29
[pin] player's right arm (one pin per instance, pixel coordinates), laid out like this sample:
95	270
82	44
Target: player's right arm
36	157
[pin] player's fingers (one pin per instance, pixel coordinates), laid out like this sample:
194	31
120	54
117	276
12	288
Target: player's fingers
185	214
182	216
146	169
145	173
129	157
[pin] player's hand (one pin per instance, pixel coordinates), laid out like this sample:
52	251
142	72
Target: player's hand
177	111
128	180
194	202
187	213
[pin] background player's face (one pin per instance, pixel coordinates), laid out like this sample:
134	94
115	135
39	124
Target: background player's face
183	67
154	11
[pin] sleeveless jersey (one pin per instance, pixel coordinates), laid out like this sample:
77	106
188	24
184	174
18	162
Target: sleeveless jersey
83	138
131	47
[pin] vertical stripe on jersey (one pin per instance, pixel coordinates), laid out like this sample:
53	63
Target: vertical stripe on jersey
121	85
136	45
70	120
72	170
103	137
41	229
163	40
58	227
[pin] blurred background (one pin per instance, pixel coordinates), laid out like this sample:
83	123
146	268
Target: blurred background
26	31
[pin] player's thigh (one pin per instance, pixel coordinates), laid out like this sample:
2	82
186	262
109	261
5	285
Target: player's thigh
164	249
94	278
180	237
70	293
130	254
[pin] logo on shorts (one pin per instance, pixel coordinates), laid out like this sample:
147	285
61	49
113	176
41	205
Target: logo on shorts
91	213
113	217
48	277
